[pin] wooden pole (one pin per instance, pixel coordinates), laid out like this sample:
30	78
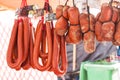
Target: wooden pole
74	57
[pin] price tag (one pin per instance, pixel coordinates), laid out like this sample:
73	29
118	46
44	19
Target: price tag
50	16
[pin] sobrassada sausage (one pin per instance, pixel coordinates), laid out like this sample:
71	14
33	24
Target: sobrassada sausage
106	13
89	42
115	15
98	30
62	20
84	22
59	11
87	22
106	22
108	29
74	32
117	35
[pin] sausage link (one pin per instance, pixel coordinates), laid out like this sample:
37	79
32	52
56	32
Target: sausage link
31	47
15	46
26	64
37	47
59	51
26	37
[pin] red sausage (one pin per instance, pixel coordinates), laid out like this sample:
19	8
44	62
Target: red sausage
37	47
15	46
59	51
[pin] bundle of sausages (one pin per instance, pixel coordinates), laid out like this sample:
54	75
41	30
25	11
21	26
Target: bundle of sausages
87	22
78	24
43	31
50	43
62	19
74	33
50	48
21	44
106	22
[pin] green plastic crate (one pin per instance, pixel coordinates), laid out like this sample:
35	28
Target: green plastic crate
99	71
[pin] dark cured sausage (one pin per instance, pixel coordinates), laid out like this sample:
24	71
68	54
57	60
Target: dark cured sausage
89	42
15	46
108	29
87	22
98	30
117	35
84	22
106	13
106	22
37	48
74	32
62	19
59	52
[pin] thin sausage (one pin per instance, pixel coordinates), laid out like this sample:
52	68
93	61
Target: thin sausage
26	37
37	47
14	44
59	51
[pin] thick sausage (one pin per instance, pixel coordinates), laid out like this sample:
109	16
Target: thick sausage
61	26
98	29
108	29
85	23
115	16
117	35
62	20
74	32
106	22
73	14
89	42
59	11
106	13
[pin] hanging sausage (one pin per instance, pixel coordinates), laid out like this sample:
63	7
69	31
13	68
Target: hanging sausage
106	22
87	22
61	25
73	35
18	54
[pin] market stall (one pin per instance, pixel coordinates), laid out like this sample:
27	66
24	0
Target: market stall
35	36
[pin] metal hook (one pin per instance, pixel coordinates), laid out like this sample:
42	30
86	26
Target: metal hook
66	2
